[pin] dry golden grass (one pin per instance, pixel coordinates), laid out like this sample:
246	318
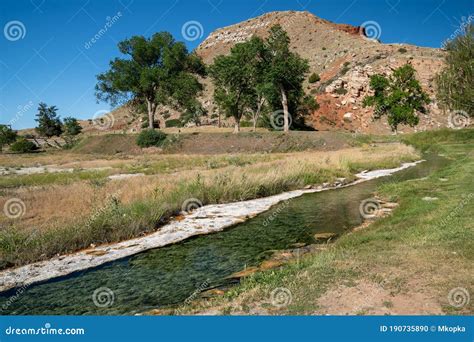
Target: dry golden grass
57	205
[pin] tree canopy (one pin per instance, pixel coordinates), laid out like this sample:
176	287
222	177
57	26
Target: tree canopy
71	126
49	123
399	97
156	71
237	77
258	74
7	135
285	74
455	90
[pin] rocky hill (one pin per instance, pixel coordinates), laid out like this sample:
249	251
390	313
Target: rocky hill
343	55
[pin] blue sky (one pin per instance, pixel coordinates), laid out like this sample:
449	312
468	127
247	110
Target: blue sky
43	43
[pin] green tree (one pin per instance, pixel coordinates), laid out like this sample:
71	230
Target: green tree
193	113
399	97
314	78
7	136
156	71
71	126
285	73
455	90
23	146
236	77
49	123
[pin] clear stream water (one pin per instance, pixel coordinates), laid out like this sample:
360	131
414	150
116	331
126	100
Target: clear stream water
169	275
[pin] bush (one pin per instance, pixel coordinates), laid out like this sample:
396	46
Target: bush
23	146
402	50
173	123
341	91
150	137
314	78
245	123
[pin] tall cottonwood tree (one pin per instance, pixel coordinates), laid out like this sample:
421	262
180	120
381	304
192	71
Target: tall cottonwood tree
156	71
237	77
455	90
285	73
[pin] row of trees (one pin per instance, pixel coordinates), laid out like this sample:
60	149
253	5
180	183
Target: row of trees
49	125
261	76
258	76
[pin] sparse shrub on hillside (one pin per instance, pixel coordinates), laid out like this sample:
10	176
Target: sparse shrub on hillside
455	90
345	68
341	91
314	78
402	50
173	123
150	138
23	146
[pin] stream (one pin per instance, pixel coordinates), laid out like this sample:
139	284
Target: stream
169	275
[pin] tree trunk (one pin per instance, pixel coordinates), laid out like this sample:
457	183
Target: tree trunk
151	114
219	119
286	114
254	124
237	126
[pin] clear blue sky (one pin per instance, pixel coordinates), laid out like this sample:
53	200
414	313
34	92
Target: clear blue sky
46	58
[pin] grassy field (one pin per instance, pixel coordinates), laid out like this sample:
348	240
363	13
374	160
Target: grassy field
64	212
416	261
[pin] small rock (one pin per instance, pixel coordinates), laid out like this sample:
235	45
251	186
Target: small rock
427	198
269	264
244	273
324	236
212	293
348	117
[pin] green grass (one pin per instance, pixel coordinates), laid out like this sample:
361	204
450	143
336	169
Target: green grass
429	243
41	179
114	221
